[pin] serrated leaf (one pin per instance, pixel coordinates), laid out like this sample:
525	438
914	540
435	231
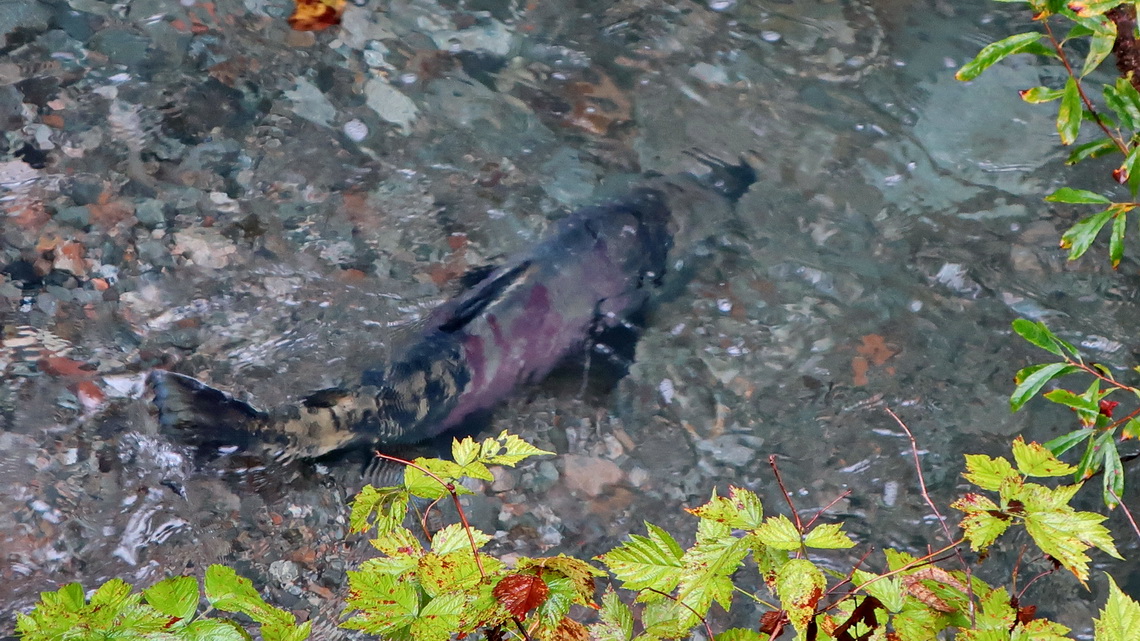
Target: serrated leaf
384	603
521	593
1069	114
442	573
988	473
1041	630
616	619
563	594
226	590
741	509
464	452
995	52
507	449
889	591
708	566
1099	47
983	522
419	483
829	536
278	632
665	619
1120	618
1065	442
438	618
390	505
800	586
213	630
1034	459
578	571
642	562
176	596
779	532
739	634
1076	197
1116	241
453	538
1066	534
1033	378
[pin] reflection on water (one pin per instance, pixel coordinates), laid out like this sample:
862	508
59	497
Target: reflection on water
194	186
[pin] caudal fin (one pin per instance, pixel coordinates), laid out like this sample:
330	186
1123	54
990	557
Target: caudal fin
196	414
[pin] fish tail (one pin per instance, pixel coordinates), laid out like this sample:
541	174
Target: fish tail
196	414
730	181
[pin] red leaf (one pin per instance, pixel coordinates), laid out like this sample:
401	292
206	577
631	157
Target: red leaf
521	593
1106	407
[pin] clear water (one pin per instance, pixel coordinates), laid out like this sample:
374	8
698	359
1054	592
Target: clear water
272	211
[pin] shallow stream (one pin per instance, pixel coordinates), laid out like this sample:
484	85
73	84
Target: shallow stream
195	186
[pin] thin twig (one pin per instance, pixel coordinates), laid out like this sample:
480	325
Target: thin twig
842	495
851	574
519	625
934	508
450	487
1127	512
1034	580
784	489
919	562
1080	90
708	628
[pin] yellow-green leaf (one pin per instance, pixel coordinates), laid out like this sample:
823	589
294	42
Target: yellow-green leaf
1069	115
995	52
829	536
800	586
779	532
1120	618
1034	459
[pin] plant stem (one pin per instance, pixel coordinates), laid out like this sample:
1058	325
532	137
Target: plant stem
450	487
1115	137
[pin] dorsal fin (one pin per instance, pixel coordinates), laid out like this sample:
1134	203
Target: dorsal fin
487	292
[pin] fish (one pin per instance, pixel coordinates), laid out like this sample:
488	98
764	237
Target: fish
595	272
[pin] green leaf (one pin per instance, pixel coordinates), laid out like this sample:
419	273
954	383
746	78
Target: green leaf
1038	334
1065	534
385	604
507	449
438	618
1091	8
983	522
739	634
177	596
1038	95
453	538
279	632
1081	403
1129	172
708	567
1034	459
642	562
1065	442
1116	241
995	52
1094	149
442	573
1076	197
227	591
1099	47
1120	617
1041	630
390	504
1113	475
213	630
1124	102
1069	114
800	586
988	473
829	536
1081	236
741	509
1031	379
419	483
779	532
616	620
888	591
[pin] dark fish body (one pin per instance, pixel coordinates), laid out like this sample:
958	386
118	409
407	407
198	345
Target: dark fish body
517	323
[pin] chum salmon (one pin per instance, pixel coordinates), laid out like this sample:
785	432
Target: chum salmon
599	268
